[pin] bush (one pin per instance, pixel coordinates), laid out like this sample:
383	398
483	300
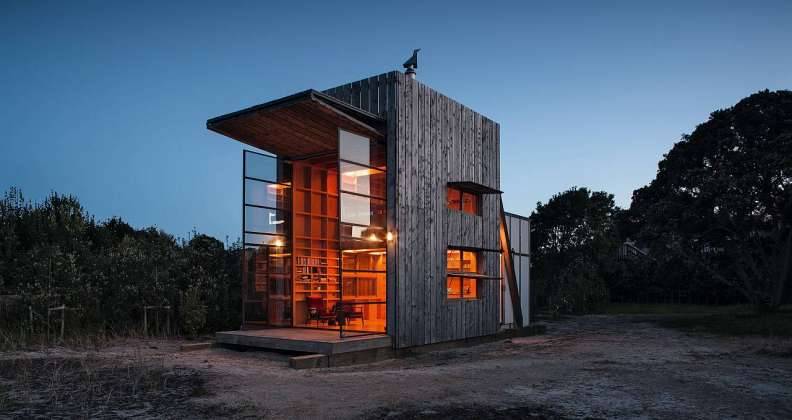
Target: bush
192	312
55	253
578	289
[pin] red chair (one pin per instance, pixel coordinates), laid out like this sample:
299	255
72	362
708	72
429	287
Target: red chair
317	310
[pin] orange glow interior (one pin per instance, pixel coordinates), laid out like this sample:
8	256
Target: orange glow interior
464	201
459	263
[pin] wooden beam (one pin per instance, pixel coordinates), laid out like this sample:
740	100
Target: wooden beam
508	266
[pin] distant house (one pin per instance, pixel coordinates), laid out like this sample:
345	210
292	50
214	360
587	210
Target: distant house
630	249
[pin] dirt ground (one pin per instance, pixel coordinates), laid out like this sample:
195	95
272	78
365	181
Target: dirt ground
598	366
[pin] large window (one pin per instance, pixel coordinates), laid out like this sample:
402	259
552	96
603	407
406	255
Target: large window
266	228
267	196
362	150
465	201
463	266
363	235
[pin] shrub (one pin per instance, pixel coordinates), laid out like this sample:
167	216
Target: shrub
192	312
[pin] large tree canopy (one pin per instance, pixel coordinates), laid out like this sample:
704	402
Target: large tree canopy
722	198
572	233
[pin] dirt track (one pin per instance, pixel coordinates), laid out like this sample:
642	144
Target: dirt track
593	366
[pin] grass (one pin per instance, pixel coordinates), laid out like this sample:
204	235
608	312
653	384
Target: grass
732	320
90	388
665	309
777	324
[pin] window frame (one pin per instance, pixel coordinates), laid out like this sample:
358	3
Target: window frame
464	276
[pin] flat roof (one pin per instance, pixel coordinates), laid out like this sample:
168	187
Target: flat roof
299	125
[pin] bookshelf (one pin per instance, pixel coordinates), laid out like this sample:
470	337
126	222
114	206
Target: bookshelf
315	235
364	273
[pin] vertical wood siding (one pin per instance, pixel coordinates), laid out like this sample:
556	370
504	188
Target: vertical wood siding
433	140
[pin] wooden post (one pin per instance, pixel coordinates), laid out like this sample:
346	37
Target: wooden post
167	321
61	308
145	323
30	317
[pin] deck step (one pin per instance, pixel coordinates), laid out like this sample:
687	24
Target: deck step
309	361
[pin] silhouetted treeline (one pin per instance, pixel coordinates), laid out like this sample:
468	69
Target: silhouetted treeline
55	253
714	226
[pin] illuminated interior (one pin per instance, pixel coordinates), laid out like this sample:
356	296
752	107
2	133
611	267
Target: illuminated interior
465	201
328	213
462	266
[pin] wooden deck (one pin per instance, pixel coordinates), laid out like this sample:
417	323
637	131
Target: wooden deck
305	340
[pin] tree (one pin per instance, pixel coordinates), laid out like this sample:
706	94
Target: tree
54	252
722	198
573	234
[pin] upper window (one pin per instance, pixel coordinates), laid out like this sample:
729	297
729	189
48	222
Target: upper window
362	181
266	168
466	201
359	149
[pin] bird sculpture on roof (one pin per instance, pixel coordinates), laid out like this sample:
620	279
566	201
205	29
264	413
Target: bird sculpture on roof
412	63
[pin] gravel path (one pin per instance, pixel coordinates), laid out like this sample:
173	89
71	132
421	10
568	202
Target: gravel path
584	367
591	366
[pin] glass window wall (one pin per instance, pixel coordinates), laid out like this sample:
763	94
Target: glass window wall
363	234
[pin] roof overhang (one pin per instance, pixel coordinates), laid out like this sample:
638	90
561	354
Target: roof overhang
299	125
474	187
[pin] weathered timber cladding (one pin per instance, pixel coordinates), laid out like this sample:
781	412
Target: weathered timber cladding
433	140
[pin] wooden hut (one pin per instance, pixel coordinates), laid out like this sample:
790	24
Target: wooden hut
375	209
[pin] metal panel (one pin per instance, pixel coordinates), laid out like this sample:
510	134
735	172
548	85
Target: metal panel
525	236
525	286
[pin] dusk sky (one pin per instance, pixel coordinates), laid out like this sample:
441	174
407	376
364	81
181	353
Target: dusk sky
108	100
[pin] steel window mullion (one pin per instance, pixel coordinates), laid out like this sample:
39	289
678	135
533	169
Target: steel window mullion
267	181
267	207
264	233
362	195
352	162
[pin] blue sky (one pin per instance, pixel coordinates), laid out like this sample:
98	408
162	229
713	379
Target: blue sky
108	100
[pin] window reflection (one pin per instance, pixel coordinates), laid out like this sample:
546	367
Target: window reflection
267	194
361	210
266	168
362	180
262	239
265	220
359	149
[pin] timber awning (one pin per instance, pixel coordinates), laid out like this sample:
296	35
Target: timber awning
299	125
474	187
